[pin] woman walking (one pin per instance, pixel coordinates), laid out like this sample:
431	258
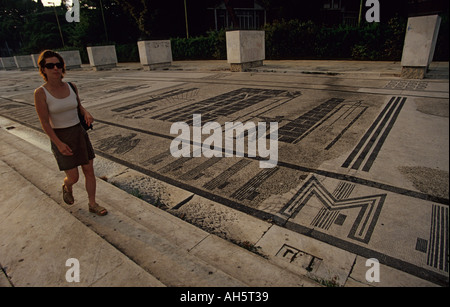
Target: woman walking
57	106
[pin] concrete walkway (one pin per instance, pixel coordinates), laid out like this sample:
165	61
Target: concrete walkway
138	244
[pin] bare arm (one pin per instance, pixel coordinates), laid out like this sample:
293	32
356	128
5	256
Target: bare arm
44	117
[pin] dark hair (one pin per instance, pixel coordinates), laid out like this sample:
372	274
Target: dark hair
46	55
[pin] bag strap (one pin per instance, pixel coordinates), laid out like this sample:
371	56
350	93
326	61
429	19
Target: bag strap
76	93
79	104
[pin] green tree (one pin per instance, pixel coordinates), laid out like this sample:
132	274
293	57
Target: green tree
140	11
15	17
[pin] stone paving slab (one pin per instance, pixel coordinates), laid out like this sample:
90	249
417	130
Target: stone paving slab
363	154
175	252
38	238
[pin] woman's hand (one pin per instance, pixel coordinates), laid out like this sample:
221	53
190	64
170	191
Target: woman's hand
64	149
88	118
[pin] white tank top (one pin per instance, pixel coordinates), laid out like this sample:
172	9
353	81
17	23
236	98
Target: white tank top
63	112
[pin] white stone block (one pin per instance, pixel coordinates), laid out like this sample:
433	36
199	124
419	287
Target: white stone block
245	49
24	62
155	54
8	63
72	58
102	57
420	43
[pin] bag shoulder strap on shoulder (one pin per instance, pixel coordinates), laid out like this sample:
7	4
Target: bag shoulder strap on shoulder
73	87
75	91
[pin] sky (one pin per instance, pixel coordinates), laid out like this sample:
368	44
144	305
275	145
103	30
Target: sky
46	2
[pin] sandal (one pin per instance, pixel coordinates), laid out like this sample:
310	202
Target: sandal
67	196
99	210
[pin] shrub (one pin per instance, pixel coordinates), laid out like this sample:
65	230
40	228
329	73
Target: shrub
127	53
370	41
208	47
290	39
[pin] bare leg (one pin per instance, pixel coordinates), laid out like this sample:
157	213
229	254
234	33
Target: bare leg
91	186
90	182
71	178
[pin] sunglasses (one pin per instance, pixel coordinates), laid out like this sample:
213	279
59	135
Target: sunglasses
52	65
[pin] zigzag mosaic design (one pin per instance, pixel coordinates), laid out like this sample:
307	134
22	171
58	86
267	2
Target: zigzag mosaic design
369	208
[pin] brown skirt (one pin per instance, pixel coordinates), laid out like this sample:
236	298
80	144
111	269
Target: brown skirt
78	140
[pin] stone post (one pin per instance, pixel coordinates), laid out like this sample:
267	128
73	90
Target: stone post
420	43
8	63
245	49
24	62
155	54
72	58
102	57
